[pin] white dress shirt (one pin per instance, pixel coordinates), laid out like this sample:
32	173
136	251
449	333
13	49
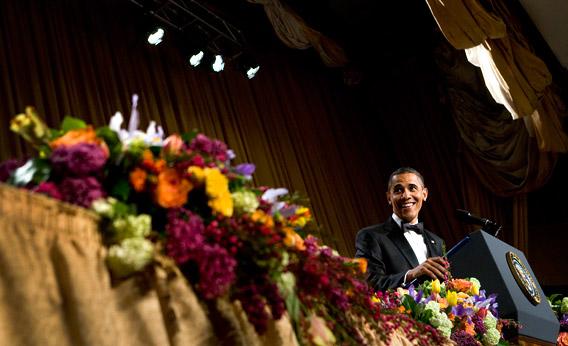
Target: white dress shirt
416	242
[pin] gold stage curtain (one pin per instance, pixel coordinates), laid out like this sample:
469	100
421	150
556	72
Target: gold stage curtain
298	123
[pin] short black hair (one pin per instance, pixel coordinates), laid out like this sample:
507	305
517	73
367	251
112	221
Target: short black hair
403	170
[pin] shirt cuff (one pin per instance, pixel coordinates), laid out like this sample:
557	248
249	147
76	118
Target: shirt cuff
404	283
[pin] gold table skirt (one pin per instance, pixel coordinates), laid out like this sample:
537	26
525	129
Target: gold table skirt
55	289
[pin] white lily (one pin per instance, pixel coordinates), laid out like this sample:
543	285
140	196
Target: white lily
154	135
271	196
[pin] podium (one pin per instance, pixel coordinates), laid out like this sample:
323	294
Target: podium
504	270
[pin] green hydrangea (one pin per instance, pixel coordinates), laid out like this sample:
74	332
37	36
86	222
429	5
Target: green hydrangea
245	201
490	322
439	319
104	207
132	226
476	284
130	256
564	306
432	305
491	337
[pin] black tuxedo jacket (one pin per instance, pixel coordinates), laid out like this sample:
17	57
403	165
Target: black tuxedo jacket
388	253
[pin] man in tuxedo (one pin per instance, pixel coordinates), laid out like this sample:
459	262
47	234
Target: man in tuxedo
401	249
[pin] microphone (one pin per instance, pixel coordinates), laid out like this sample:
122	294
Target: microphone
487	225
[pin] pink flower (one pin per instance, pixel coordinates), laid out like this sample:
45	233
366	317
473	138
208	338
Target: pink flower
81	191
49	189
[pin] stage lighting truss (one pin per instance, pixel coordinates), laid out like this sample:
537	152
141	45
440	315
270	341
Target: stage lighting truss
196	23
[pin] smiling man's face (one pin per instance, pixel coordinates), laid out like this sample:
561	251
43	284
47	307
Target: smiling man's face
406	194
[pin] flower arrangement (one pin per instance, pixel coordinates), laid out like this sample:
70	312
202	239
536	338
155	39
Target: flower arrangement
458	308
182	196
559	305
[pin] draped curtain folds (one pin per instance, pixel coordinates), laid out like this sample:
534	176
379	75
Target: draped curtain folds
515	77
295	33
508	158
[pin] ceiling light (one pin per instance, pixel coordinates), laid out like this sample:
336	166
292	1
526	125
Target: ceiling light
195	59
218	64
251	72
156	37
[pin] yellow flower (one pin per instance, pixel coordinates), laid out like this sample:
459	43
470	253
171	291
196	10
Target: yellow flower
197	173
436	286
30	126
452	298
260	216
293	239
462	296
217	188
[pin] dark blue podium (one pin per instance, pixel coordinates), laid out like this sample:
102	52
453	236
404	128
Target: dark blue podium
504	270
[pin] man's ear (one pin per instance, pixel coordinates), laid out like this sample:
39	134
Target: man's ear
388	194
425	193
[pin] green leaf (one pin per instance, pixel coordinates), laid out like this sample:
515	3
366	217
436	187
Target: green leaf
111	139
188	136
35	170
69	123
121	189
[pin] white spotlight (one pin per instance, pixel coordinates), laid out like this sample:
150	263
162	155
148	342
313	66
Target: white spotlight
196	58
218	65
156	37
251	72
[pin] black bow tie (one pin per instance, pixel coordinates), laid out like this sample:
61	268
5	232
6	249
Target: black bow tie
418	228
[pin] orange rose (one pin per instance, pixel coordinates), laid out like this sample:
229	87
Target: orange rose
460	285
77	136
138	179
172	145
562	339
172	189
362	262
470	328
148	162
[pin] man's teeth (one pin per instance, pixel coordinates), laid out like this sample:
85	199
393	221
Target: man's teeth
407	205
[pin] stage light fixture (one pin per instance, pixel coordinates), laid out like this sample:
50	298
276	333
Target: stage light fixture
218	65
196	58
156	36
251	71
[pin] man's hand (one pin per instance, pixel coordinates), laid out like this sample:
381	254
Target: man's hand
433	267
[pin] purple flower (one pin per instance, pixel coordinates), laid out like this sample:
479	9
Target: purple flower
213	147
8	167
79	160
460	310
185	234
245	169
81	191
49	189
564	322
216	270
464	339
202	143
478	323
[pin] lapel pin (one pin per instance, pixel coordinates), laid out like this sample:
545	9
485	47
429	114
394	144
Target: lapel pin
432	241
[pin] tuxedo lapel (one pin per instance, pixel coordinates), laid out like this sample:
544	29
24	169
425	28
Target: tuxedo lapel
396	235
431	245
